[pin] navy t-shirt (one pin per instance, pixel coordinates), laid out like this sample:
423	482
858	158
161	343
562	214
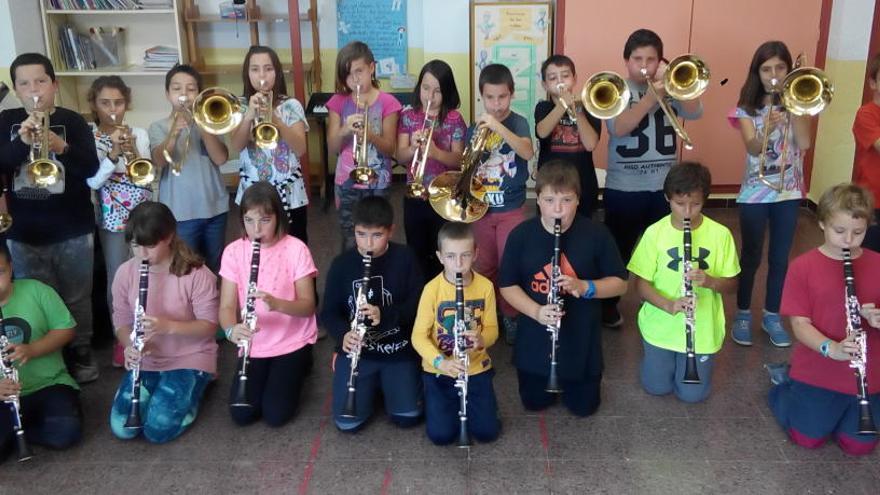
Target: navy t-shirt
503	172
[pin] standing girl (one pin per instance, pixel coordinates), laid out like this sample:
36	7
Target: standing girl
109	98
179	358
435	88
286	330
772	188
356	68
262	76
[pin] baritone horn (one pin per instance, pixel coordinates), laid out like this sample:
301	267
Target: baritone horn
686	78
805	91
458	196
217	111
605	95
41	170
139	170
265	132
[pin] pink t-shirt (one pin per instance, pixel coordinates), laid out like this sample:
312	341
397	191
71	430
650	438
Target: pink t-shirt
814	287
281	265
344	106
190	297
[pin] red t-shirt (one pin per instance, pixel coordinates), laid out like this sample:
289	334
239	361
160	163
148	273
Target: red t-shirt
866	130
814	288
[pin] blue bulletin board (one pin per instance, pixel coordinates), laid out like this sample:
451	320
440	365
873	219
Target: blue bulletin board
381	24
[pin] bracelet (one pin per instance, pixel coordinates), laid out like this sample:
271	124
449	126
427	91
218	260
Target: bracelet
591	290
825	347
437	361
228	332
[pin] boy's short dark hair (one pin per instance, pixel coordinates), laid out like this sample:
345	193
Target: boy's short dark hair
559	61
687	177
874	67
373	211
558	175
185	69
31	59
640	38
454	231
496	74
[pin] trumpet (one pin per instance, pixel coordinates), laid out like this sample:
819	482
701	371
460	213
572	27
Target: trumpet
416	189
265	132
804	91
139	170
362	173
217	111
458	196
572	113
605	95
181	109
686	78
41	170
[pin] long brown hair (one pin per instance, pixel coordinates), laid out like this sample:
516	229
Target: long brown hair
751	96
263	196
113	82
280	87
355	50
151	222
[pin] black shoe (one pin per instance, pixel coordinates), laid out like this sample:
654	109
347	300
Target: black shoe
82	366
611	317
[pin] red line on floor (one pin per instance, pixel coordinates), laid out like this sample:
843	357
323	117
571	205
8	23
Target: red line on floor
386	482
545	443
316	446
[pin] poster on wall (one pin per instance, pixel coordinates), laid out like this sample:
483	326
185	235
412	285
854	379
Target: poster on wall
517	35
381	24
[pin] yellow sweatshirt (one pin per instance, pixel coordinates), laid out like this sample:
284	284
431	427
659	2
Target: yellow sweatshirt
432	331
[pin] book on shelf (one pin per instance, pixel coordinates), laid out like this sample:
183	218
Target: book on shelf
110	4
97	49
160	57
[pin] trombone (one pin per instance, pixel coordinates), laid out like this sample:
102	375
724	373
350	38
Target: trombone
217	111
139	170
458	196
265	132
182	108
362	174
805	91
686	78
605	95
416	189
41	170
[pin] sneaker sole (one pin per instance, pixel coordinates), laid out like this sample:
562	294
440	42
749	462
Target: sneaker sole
744	343
775	344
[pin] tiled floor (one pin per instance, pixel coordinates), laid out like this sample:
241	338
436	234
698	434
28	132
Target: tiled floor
634	444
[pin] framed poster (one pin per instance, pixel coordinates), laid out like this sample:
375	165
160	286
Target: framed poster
518	35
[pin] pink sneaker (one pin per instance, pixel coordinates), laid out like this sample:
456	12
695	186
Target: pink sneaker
118	355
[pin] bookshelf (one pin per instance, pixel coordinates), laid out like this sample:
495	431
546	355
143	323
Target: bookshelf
142	29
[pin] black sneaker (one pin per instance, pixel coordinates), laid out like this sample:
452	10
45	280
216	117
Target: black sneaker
82	366
611	317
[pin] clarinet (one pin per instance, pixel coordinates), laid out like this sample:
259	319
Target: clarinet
859	362
133	421
249	318
459	352
10	372
359	326
690	370
554	297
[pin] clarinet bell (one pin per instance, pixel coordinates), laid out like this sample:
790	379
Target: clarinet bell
690	370
349	410
553	381
866	419
240	399
24	450
133	421
464	438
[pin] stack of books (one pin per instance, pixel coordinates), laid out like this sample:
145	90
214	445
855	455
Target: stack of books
98	4
156	4
160	58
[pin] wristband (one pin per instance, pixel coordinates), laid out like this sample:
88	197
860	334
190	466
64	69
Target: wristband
228	332
437	361
825	347
591	290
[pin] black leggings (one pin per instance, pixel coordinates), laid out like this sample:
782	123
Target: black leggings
422	224
274	386
580	397
299	222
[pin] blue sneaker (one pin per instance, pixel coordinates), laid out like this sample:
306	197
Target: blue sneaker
741	330
772	324
778	372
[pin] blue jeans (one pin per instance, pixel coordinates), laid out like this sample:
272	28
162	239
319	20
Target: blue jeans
399	382
169	403
116	252
51	418
662	372
67	267
442	404
753	219
205	236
